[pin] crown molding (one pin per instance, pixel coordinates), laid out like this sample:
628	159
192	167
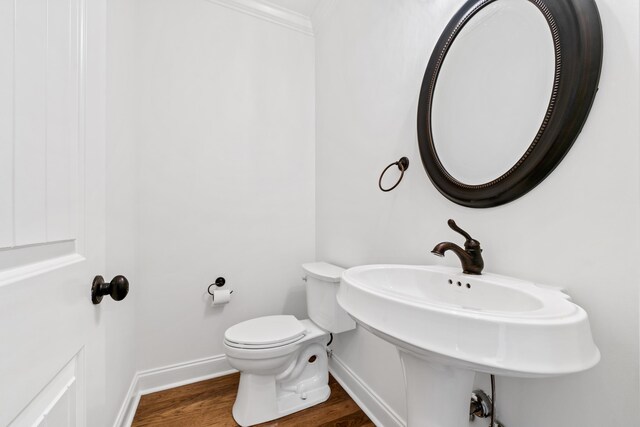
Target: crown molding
270	12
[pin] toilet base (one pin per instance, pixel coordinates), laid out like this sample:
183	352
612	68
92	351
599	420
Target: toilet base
304	383
259	401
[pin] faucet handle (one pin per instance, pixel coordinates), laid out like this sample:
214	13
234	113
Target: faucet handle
471	243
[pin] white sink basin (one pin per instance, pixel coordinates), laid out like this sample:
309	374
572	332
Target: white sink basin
489	323
448	325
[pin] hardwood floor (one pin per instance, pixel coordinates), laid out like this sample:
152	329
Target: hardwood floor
208	403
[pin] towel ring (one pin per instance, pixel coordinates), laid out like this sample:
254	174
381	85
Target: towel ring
403	165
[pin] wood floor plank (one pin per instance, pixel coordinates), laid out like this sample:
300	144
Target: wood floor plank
208	404
355	419
170	407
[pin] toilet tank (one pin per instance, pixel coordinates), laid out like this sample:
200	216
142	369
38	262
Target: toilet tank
323	281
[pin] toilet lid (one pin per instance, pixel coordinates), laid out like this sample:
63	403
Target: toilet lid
266	331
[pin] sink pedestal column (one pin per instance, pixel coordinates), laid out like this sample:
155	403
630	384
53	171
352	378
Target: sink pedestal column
437	395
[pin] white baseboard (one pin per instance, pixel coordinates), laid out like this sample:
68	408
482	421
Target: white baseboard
376	409
158	379
129	405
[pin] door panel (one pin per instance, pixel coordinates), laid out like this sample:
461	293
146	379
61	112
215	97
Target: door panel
6	123
30	121
62	120
46	120
52	338
56	404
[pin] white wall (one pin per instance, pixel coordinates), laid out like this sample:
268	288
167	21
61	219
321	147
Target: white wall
578	229
121	200
225	173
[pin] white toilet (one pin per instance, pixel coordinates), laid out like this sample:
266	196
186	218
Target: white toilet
282	360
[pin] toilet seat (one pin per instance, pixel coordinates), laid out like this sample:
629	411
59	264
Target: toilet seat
265	332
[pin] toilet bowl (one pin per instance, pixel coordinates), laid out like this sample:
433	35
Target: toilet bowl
283	361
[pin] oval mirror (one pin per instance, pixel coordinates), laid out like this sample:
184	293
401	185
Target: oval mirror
506	92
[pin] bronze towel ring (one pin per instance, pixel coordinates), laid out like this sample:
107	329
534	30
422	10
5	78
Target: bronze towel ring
403	165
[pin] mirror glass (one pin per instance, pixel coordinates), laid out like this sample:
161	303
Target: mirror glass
493	91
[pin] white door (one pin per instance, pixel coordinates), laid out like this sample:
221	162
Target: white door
52	224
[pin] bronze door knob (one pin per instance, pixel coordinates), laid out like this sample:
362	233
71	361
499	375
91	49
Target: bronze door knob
118	288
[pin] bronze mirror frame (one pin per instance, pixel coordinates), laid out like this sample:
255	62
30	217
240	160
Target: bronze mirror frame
578	42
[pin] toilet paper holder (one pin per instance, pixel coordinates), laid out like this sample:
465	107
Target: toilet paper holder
220	281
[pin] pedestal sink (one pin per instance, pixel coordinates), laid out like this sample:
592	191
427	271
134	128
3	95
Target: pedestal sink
448	325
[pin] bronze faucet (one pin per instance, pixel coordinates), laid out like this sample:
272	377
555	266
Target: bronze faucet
470	256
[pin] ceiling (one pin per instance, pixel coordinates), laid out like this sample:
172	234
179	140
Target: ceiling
304	7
